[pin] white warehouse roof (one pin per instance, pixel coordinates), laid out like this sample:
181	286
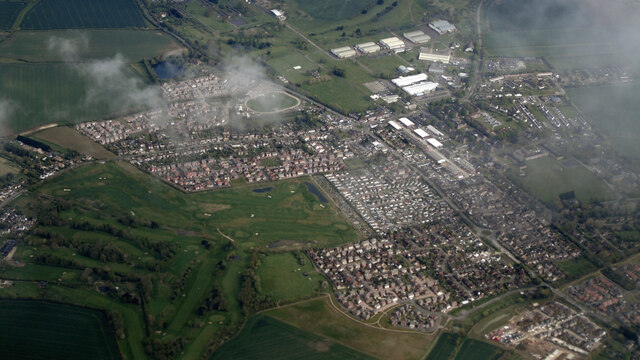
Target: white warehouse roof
406	122
423	134
342	52
368	47
435	131
408	80
417	37
442	26
434	142
394	125
392	42
420	88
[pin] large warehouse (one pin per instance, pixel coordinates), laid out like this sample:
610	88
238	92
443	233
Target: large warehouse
428	55
343	52
417	37
393	43
442	26
408	80
415	85
368	47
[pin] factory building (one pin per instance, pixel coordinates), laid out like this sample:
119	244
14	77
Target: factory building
406	122
420	89
408	80
278	14
423	134
368	47
434	131
343	52
394	125
417	37
435	143
442	26
393	43
428	55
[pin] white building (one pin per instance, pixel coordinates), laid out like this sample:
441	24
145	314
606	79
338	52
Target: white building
442	26
394	125
423	134
393	43
343	52
278	14
435	131
417	37
408	80
435	143
420	89
406	122
428	55
368	47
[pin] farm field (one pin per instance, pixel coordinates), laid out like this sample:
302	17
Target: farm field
7	167
50	93
474	349
83	14
39	330
283	278
444	348
134	45
338	93
321	318
71	139
613	109
9	10
267	338
546	178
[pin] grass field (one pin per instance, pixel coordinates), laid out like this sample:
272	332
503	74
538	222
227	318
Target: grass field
71	139
48	93
321	318
283	278
264	337
132	44
9	10
474	349
444	348
613	109
42	330
546	178
83	14
7	167
271	102
339	94
576	268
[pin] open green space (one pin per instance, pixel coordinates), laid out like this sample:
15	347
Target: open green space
42	330
577	267
83	14
134	45
283	277
9	10
333	9
271	102
7	167
340	95
321	317
546	178
71	139
474	349
267	338
444	347
613	109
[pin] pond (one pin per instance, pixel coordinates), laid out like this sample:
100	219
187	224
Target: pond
262	190
314	190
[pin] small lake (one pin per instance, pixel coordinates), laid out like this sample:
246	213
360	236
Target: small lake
262	190
168	70
316	192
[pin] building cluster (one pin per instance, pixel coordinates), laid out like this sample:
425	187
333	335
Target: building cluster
413	317
607	298
551	331
442	26
13	223
415	85
438	267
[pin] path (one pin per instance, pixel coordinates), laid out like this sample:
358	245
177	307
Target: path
225	236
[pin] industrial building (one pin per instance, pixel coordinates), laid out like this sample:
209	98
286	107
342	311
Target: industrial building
278	14
442	26
368	47
436	68
435	131
435	143
406	122
428	55
394	44
415	85
395	125
423	134
417	37
343	52
408	80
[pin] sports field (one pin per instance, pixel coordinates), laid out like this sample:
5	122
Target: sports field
71	139
43	330
264	337
321	318
134	45
83	14
9	10
284	278
546	178
271	102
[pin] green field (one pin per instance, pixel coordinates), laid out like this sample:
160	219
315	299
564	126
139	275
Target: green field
546	178
335	10
576	268
7	167
264	337
134	45
444	348
83	14
53	93
69	138
283	278
613	109
339	94
272	102
322	318
9	10
43	330
474	349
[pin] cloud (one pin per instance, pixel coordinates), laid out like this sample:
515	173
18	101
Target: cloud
69	48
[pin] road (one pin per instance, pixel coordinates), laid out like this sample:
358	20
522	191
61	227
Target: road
477	65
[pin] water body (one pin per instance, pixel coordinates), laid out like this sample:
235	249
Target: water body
168	70
314	190
262	190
